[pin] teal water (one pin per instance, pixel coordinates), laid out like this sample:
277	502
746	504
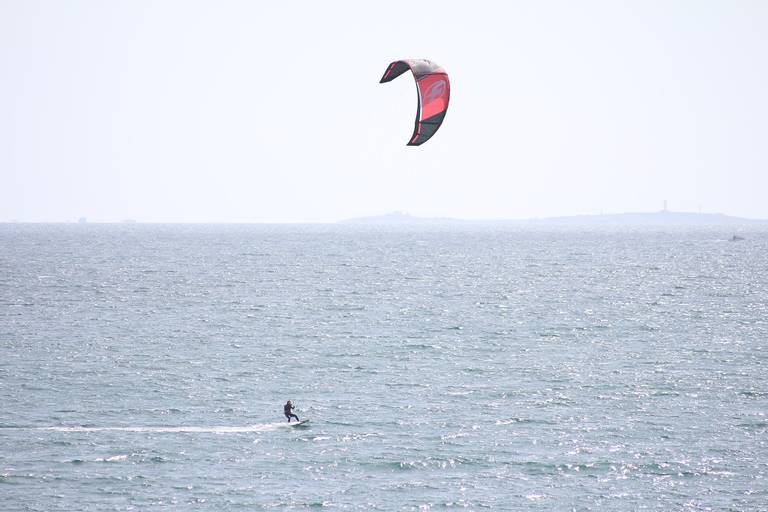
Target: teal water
144	367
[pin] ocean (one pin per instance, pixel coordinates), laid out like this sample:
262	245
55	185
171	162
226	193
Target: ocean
144	367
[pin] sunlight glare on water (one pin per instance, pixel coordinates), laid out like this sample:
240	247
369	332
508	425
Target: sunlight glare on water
144	367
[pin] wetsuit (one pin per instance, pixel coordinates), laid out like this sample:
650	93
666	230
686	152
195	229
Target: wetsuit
288	414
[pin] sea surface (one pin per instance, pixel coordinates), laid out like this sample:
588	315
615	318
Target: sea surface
144	367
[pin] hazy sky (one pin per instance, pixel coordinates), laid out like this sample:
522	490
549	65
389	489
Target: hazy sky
247	111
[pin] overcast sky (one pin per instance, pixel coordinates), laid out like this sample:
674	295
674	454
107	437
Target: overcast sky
246	111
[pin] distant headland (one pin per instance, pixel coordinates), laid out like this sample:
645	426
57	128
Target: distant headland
659	218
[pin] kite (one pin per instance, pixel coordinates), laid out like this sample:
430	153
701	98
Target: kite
434	91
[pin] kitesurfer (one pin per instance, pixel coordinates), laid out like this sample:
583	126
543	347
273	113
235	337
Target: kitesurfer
287	408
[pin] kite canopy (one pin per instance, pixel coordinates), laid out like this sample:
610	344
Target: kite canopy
434	92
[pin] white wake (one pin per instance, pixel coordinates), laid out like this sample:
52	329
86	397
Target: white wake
262	427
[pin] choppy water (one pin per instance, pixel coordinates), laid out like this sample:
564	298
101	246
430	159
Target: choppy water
145	367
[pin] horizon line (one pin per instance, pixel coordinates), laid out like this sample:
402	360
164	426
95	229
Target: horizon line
404	217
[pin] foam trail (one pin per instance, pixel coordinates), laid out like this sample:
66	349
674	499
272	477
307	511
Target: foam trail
263	427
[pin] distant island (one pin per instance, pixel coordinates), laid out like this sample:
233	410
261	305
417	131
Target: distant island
660	218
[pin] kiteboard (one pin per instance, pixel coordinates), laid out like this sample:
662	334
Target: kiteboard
299	423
